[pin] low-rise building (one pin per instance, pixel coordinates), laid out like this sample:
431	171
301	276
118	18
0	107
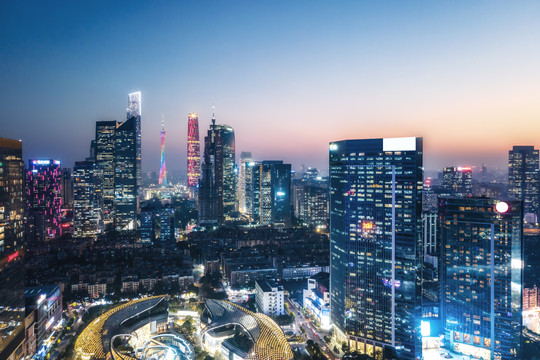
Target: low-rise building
97	290
303	272
269	297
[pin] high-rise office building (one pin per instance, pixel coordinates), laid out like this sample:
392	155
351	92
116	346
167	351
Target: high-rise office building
125	175
162	167
311	201
105	144
134	111
376	245
44	195
193	153
12	311
166	223
217	193
245	157
482	273
523	177
67	188
271	183
88	200
457	181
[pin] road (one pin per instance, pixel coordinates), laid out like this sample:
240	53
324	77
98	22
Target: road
311	332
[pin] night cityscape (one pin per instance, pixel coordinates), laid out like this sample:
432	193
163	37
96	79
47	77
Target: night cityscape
269	180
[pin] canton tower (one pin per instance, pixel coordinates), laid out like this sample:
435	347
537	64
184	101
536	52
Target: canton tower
162	169
193	153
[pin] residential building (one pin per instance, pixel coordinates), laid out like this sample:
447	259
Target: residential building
269	297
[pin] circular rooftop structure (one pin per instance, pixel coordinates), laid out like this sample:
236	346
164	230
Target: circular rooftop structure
122	322
268	341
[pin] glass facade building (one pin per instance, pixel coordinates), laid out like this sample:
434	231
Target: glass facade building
125	176
12	310
457	181
217	192
271	181
88	200
376	245
105	144
134	112
523	177
482	266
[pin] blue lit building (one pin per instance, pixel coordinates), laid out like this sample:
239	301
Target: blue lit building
376	245
482	276
316	298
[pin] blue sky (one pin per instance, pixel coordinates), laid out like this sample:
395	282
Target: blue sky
288	76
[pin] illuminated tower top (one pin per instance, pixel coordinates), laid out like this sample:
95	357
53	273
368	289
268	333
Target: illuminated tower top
134	104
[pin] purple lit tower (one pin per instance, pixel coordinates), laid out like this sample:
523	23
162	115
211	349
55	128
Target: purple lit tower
162	169
44	194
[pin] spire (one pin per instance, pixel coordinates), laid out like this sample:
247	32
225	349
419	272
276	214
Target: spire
213	115
162	123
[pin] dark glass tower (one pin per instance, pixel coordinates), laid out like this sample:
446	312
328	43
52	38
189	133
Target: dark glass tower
217	192
523	177
11	250
104	144
376	245
482	265
271	197
457	181
125	176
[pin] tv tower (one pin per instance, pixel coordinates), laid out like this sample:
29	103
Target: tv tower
162	169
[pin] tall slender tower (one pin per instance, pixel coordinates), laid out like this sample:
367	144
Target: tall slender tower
134	110
162	169
193	153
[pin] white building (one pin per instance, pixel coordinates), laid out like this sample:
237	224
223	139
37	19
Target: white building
269	297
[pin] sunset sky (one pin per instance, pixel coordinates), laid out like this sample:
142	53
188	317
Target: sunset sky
288	76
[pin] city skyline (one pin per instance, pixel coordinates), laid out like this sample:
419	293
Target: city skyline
457	76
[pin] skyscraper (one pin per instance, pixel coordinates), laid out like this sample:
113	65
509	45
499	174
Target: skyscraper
193	153
88	201
105	144
376	244
271	181
482	265
134	111
217	193
44	195
245	157
523	178
457	181
125	175
162	168
11	250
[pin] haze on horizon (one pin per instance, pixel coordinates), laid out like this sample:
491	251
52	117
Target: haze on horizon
289	77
